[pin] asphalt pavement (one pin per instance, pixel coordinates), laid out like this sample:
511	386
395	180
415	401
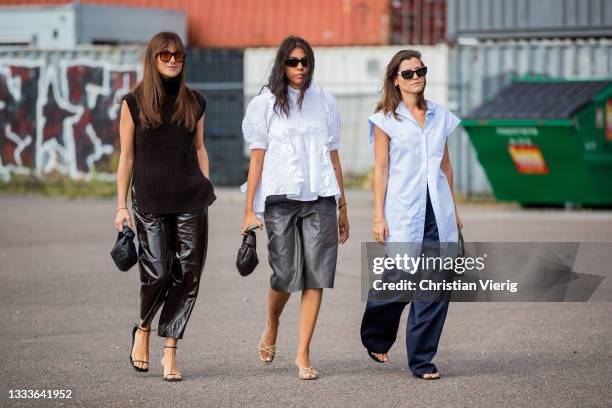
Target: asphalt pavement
67	315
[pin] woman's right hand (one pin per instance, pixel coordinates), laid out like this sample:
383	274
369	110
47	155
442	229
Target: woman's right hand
122	216
380	230
249	219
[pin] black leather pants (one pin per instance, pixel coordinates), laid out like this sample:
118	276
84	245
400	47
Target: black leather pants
171	256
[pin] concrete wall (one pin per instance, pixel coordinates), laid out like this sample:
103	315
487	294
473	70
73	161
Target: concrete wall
59	110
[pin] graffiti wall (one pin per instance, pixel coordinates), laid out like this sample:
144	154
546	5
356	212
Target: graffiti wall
59	112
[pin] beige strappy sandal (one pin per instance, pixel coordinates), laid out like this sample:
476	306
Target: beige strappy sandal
307	373
269	350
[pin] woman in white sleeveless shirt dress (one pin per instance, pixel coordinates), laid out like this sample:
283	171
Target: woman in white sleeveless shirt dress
413	204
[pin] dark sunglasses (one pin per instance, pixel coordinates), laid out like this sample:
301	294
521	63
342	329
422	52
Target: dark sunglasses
294	62
408	74
166	56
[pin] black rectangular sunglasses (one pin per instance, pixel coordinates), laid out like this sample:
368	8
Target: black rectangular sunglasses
408	74
294	62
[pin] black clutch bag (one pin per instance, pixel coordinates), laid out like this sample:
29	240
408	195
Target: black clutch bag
124	251
246	261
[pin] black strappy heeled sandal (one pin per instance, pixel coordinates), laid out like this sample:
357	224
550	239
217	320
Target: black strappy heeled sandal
139	369
175	376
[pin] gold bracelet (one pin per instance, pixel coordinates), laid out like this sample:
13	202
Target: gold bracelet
380	220
121	208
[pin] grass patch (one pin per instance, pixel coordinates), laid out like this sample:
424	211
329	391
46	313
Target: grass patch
60	185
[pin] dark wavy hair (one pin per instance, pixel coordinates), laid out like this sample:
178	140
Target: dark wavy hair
277	81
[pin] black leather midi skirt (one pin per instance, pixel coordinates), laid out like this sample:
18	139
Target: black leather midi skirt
171	256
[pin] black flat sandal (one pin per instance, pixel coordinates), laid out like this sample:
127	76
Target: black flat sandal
139	369
175	376
431	376
373	357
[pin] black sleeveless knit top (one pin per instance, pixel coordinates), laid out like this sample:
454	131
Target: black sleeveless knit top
166	175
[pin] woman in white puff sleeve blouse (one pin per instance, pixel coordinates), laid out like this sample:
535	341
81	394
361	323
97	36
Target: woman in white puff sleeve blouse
295	181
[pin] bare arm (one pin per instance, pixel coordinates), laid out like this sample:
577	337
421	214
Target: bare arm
126	165
343	225
335	159
255	170
200	148
380	230
447	168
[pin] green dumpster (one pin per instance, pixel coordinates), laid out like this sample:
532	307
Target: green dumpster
547	142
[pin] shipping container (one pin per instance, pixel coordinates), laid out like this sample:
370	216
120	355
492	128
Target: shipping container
70	25
354	76
257	23
418	21
531	19
478	72
218	75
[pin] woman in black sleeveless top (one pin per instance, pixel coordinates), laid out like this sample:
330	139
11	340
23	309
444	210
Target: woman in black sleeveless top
163	154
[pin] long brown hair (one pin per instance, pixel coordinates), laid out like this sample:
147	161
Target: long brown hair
277	81
150	92
392	96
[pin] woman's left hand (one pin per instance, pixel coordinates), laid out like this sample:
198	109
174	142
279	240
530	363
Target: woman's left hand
343	226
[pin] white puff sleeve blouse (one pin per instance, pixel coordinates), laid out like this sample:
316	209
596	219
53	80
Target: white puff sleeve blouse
297	160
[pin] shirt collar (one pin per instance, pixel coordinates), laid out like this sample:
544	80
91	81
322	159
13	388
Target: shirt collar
311	88
294	94
402	110
291	90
